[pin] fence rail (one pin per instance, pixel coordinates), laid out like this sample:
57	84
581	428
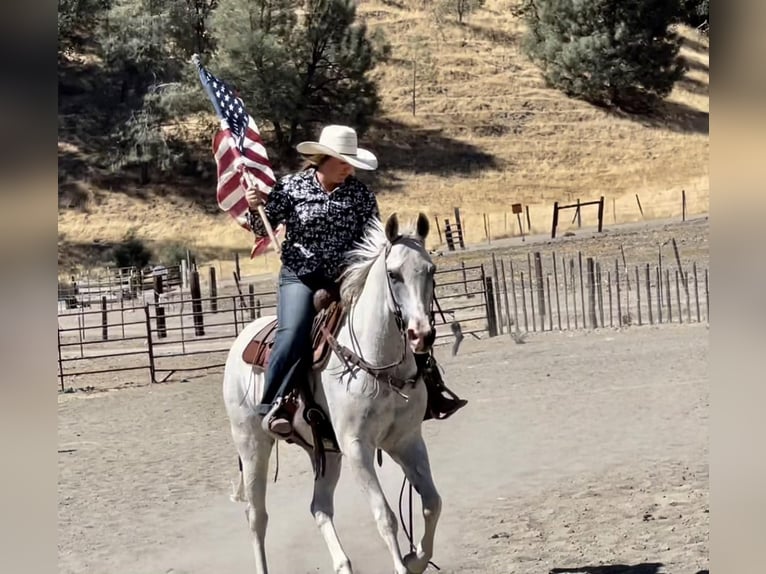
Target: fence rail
543	292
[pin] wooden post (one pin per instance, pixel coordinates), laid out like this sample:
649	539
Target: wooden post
614	210
683	205
61	361
251	297
436	219
104	320
236	266
214	291
196	295
696	292
574	291
550	312
540	288
490	303
592	293
659	298
601	214
257	308
159	309
531	293
641	209
678	299
579	223
555	219
513	294
556	287
619	298
582	289
600	286
524	302
529	221
150	345
566	291
649	294
688	299
505	296
414	77
638	295
609	289
465	280
707	297
498	301
667	293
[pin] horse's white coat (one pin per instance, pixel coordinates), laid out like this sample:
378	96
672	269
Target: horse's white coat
366	414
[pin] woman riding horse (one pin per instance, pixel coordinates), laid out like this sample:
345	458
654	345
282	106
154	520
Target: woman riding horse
326	210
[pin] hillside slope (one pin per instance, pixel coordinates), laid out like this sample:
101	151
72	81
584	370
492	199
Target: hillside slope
485	133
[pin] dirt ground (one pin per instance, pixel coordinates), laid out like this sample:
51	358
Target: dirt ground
577	450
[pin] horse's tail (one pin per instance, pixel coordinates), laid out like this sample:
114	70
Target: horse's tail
238	491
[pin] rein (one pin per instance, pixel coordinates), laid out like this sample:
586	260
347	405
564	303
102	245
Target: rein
352	359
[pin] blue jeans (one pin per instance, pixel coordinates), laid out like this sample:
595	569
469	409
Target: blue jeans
291	355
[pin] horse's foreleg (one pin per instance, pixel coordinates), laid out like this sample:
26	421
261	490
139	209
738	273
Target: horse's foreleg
412	456
361	458
323	508
255	454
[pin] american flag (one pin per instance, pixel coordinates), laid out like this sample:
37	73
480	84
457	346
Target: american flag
240	155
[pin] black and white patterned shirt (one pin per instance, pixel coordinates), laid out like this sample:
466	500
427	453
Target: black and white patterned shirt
321	227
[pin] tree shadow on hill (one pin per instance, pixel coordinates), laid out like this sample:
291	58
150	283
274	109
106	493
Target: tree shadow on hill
642	568
696	65
695	45
694	86
402	148
673	116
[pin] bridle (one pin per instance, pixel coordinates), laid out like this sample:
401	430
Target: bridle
353	361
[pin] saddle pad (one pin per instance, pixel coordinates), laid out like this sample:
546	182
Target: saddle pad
258	350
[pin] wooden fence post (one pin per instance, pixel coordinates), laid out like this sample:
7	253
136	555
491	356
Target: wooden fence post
556	287
251	293
592	293
601	214
213	291
150	345
196	294
649	294
104	320
540	288
159	309
490	304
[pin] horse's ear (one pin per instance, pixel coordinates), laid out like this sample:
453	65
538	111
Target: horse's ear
392	227
423	226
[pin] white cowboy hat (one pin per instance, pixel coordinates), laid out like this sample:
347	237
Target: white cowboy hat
340	142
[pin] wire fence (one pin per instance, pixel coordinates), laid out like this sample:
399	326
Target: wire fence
109	344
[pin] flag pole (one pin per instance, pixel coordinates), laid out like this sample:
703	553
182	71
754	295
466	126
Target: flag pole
248	177
262	213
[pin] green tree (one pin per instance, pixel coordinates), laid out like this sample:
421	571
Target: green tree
460	8
296	68
608	52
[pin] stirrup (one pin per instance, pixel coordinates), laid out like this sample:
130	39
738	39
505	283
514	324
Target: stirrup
277	421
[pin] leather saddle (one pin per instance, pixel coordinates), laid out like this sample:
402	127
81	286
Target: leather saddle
330	315
312	429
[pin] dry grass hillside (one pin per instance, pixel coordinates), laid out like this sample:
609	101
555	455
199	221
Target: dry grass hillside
486	133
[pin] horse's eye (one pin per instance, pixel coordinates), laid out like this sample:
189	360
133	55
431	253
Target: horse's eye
394	276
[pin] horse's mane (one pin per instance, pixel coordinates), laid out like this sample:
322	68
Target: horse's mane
361	259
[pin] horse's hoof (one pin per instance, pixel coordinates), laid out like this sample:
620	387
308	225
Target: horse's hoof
415	564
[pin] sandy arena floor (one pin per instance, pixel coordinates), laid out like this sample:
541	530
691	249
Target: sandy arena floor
577	450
